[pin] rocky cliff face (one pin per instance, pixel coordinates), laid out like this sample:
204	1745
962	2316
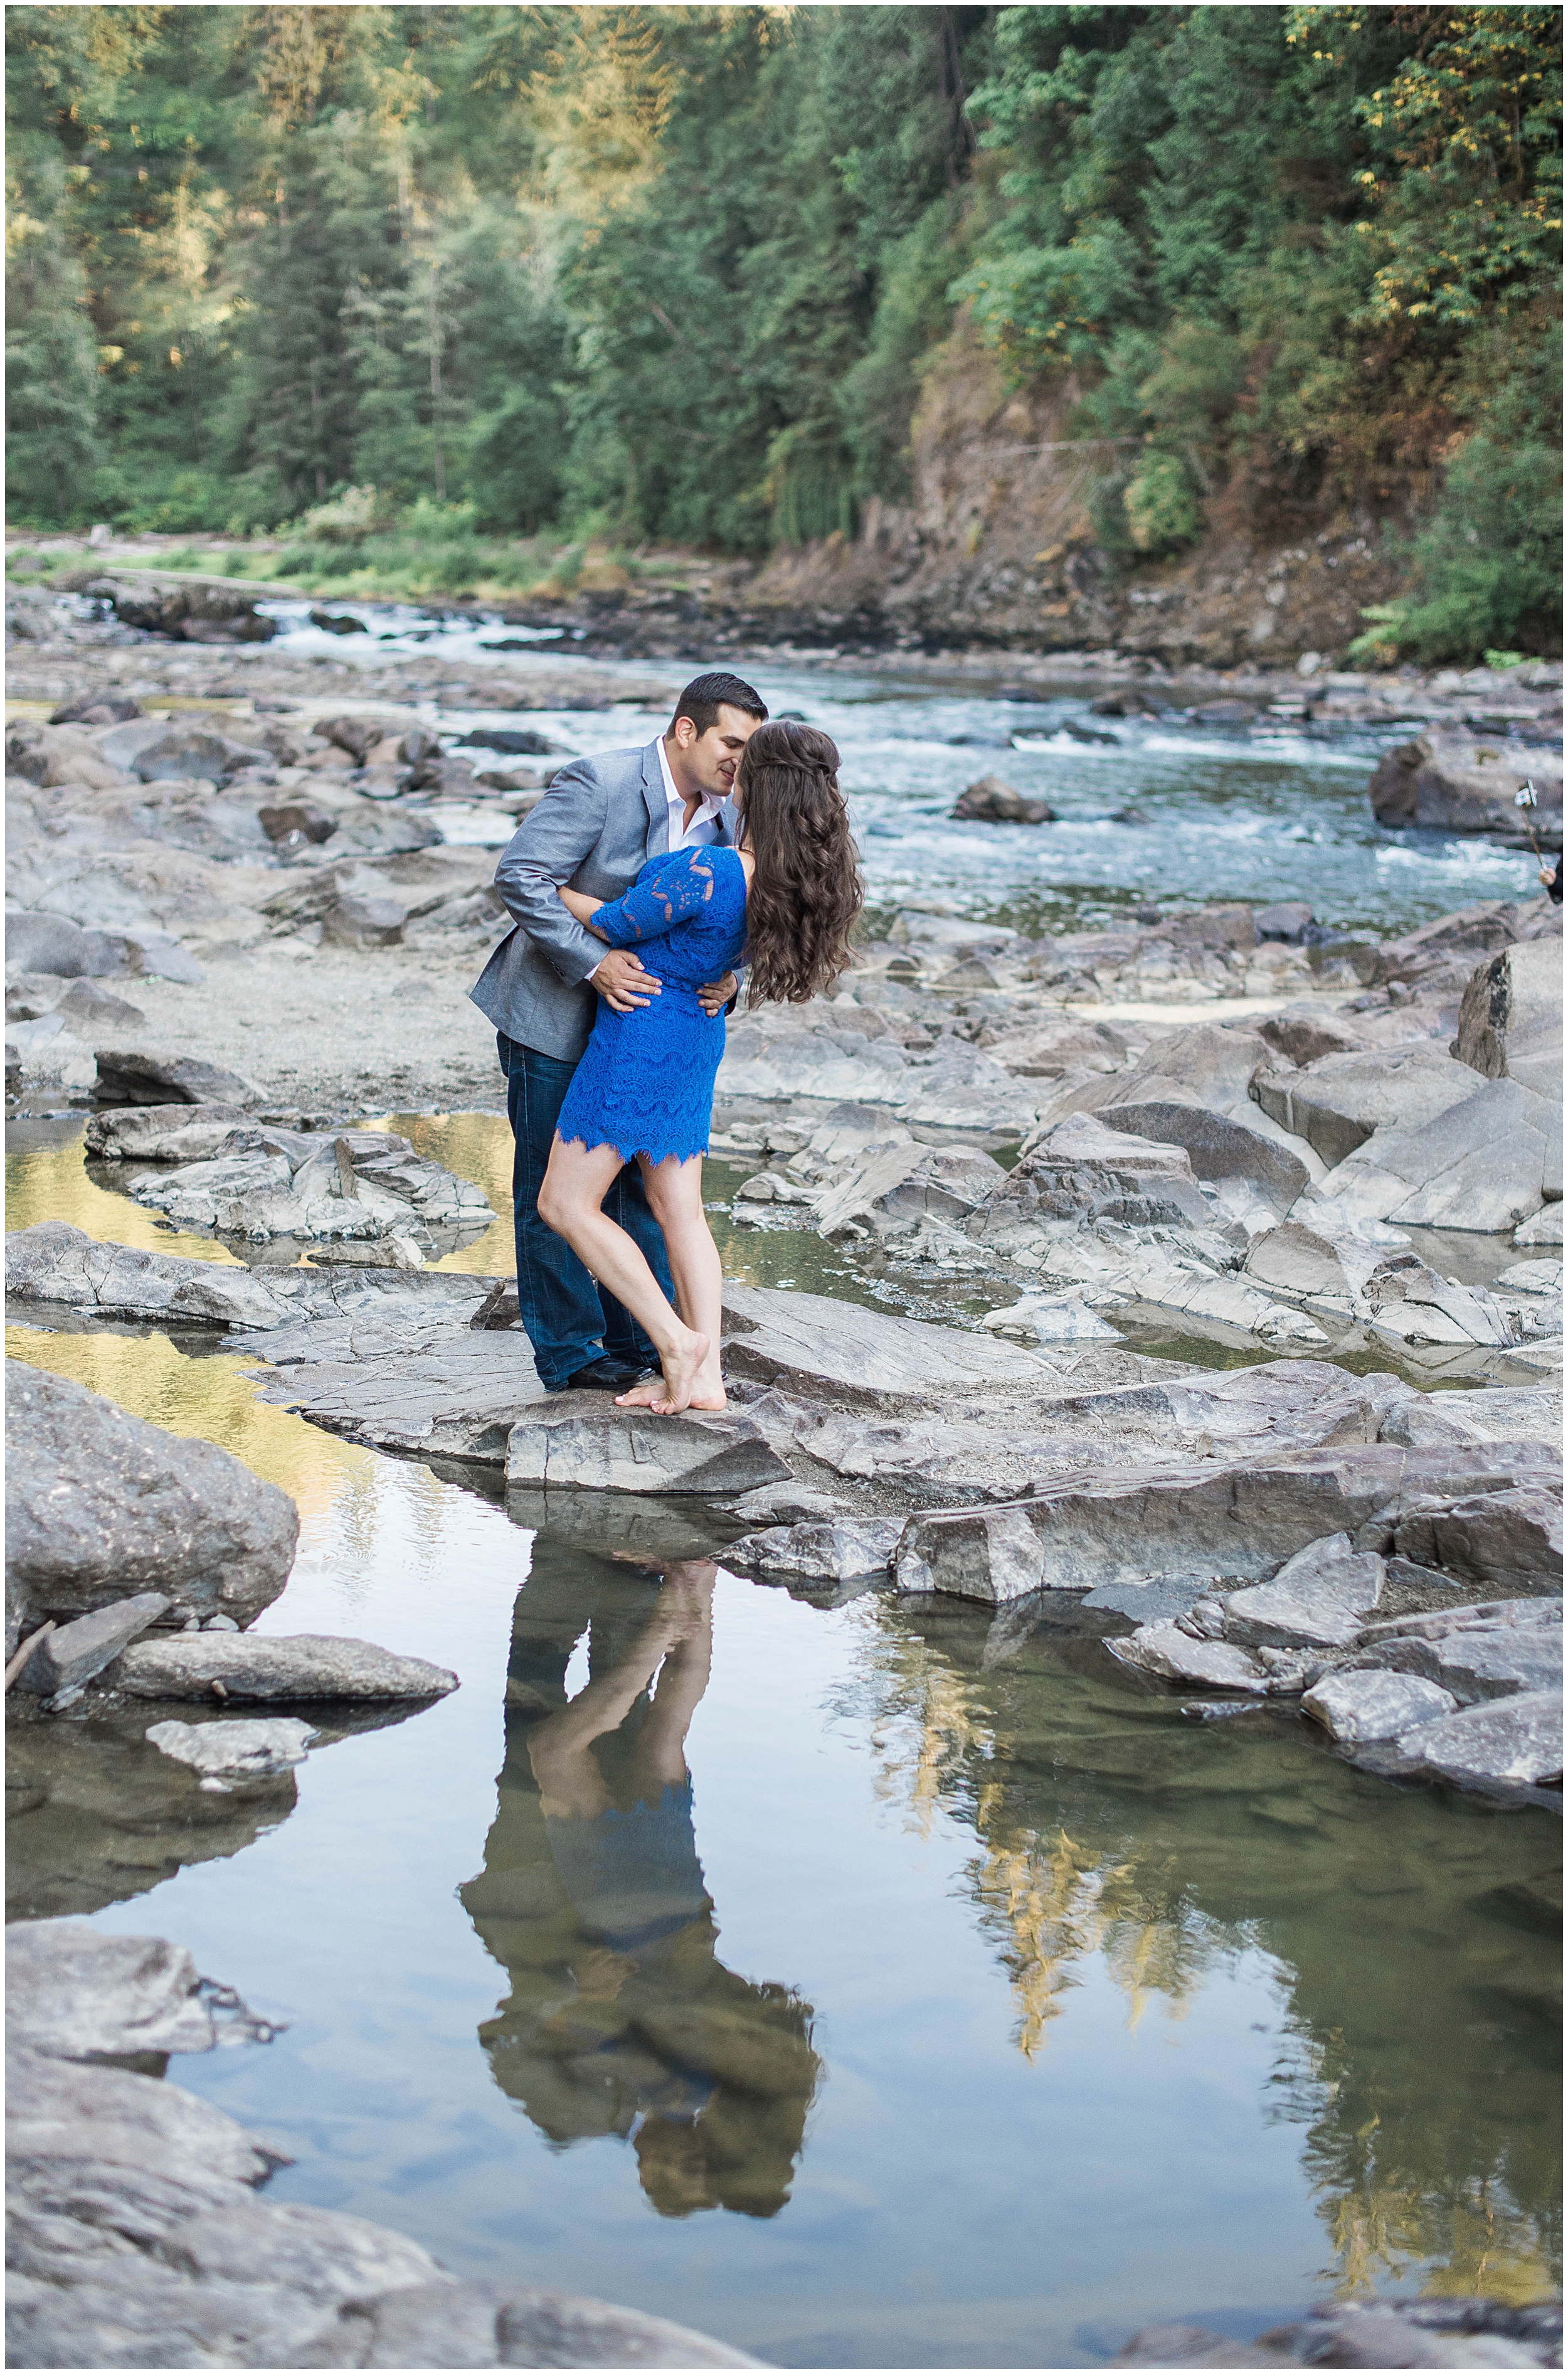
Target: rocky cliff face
997	545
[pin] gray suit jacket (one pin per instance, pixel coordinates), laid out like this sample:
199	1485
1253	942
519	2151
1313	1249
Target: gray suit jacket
595	829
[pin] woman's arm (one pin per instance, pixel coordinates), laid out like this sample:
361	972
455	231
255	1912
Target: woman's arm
652	910
584	909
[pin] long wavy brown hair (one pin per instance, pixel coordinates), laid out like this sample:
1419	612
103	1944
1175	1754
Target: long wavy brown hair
806	891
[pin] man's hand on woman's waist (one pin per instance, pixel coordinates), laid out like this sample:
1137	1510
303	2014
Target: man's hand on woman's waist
623	981
714	995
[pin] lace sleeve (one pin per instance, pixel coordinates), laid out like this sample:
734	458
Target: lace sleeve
650	910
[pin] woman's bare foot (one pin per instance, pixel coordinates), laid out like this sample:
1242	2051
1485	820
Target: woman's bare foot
683	1378
708	1391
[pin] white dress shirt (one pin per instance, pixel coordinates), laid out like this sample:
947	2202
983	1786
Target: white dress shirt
683	834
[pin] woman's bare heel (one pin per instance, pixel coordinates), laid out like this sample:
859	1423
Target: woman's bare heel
683	1370
708	1391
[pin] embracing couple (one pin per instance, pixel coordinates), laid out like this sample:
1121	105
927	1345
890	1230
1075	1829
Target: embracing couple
642	884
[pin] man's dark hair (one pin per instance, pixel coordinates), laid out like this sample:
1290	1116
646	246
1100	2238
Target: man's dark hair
706	695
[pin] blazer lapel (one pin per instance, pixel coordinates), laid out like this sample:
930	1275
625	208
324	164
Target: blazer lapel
657	804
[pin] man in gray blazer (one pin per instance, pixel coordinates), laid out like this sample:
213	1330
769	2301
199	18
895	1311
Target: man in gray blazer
595	829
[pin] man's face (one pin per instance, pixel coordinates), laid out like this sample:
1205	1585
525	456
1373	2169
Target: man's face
707	762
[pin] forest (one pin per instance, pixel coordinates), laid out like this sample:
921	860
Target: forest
674	277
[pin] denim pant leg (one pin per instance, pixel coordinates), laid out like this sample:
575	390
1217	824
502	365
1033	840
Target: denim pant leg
564	1311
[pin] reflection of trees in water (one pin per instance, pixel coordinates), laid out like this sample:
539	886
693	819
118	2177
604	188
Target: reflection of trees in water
1051	1904
1411	1934
1054	1904
621	2018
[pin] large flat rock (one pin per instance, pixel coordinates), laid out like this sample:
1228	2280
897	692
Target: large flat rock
1507	1745
1480	1165
1338	1101
582	1441
433	1391
1243	1522
867	1359
273	1665
79	1995
778	1054
100	1506
54	1264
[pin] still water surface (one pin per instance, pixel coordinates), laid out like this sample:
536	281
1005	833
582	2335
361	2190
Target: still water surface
965	2006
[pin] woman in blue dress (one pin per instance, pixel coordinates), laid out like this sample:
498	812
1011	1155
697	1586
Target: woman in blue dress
782	902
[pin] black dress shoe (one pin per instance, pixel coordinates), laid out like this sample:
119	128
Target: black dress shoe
605	1375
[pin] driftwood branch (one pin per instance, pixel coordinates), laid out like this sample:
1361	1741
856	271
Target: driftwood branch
25	1651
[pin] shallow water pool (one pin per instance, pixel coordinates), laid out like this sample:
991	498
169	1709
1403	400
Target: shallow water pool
865	1986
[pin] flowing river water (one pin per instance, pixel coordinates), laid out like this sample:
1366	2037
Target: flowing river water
1029	2010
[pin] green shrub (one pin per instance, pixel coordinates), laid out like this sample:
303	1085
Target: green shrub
1163	512
1485	571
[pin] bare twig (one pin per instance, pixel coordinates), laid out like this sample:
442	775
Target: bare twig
25	1651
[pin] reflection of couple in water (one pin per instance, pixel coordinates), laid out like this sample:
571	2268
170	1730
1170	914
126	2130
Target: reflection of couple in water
621	2019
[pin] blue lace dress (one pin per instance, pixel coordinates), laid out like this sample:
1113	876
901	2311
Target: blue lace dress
644	1084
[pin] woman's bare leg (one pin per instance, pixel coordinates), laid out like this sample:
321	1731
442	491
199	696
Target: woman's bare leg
570	1197
674	1196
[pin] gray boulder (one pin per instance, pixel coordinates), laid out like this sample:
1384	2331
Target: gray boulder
1194	1518
573	1440
1511	1017
1512	1539
1337	1101
1473	1660
1517	1743
992	1555
1439	957
1318	1600
84	1001
44	943
841	1550
1460	783
1404	1297
1486	1414
254	1749
992	801
1174	1654
1358	1705
1481	1165
904	1184
78	1995
869	1359
1084	1169
73	1653
127	1077
52	1263
101	1505
1305	1032
163	1132
160	750
362	920
139	949
274	1665
1218	1145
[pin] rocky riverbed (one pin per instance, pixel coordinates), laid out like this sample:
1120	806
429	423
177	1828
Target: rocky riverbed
1207	1276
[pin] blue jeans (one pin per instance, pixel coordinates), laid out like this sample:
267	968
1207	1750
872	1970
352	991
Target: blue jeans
570	1320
